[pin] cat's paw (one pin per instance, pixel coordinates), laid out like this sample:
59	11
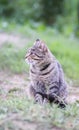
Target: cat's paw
45	101
38	99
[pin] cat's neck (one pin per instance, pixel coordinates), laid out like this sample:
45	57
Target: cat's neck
44	63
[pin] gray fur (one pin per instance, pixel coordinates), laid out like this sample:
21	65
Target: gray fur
47	80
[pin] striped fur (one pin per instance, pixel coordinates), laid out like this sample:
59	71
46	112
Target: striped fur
47	83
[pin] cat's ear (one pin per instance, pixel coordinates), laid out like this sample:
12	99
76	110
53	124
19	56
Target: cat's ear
41	45
37	43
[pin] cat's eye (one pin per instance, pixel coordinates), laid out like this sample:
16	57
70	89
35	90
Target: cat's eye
32	50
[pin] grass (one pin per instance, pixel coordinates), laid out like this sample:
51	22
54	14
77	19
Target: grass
48	115
66	50
12	59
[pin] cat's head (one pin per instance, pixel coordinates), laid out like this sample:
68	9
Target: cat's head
37	52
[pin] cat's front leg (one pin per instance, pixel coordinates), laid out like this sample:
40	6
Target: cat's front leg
39	98
53	92
45	101
40	90
54	96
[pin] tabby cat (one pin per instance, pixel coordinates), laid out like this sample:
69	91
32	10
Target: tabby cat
47	83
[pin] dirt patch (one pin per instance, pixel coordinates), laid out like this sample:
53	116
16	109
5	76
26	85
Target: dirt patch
73	95
16	40
18	84
13	83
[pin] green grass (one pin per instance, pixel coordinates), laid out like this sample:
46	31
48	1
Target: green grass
12	59
49	115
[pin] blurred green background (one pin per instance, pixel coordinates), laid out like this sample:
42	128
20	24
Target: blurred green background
54	21
59	13
21	23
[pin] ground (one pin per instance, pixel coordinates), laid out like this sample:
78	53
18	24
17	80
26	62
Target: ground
17	85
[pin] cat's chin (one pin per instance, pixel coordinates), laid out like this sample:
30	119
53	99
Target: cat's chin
30	62
27	61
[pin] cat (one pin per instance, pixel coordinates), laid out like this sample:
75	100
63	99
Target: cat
47	83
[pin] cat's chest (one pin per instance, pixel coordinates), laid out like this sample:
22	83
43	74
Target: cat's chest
47	76
46	79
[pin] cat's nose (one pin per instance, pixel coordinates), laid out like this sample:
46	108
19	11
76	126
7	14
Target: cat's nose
37	40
